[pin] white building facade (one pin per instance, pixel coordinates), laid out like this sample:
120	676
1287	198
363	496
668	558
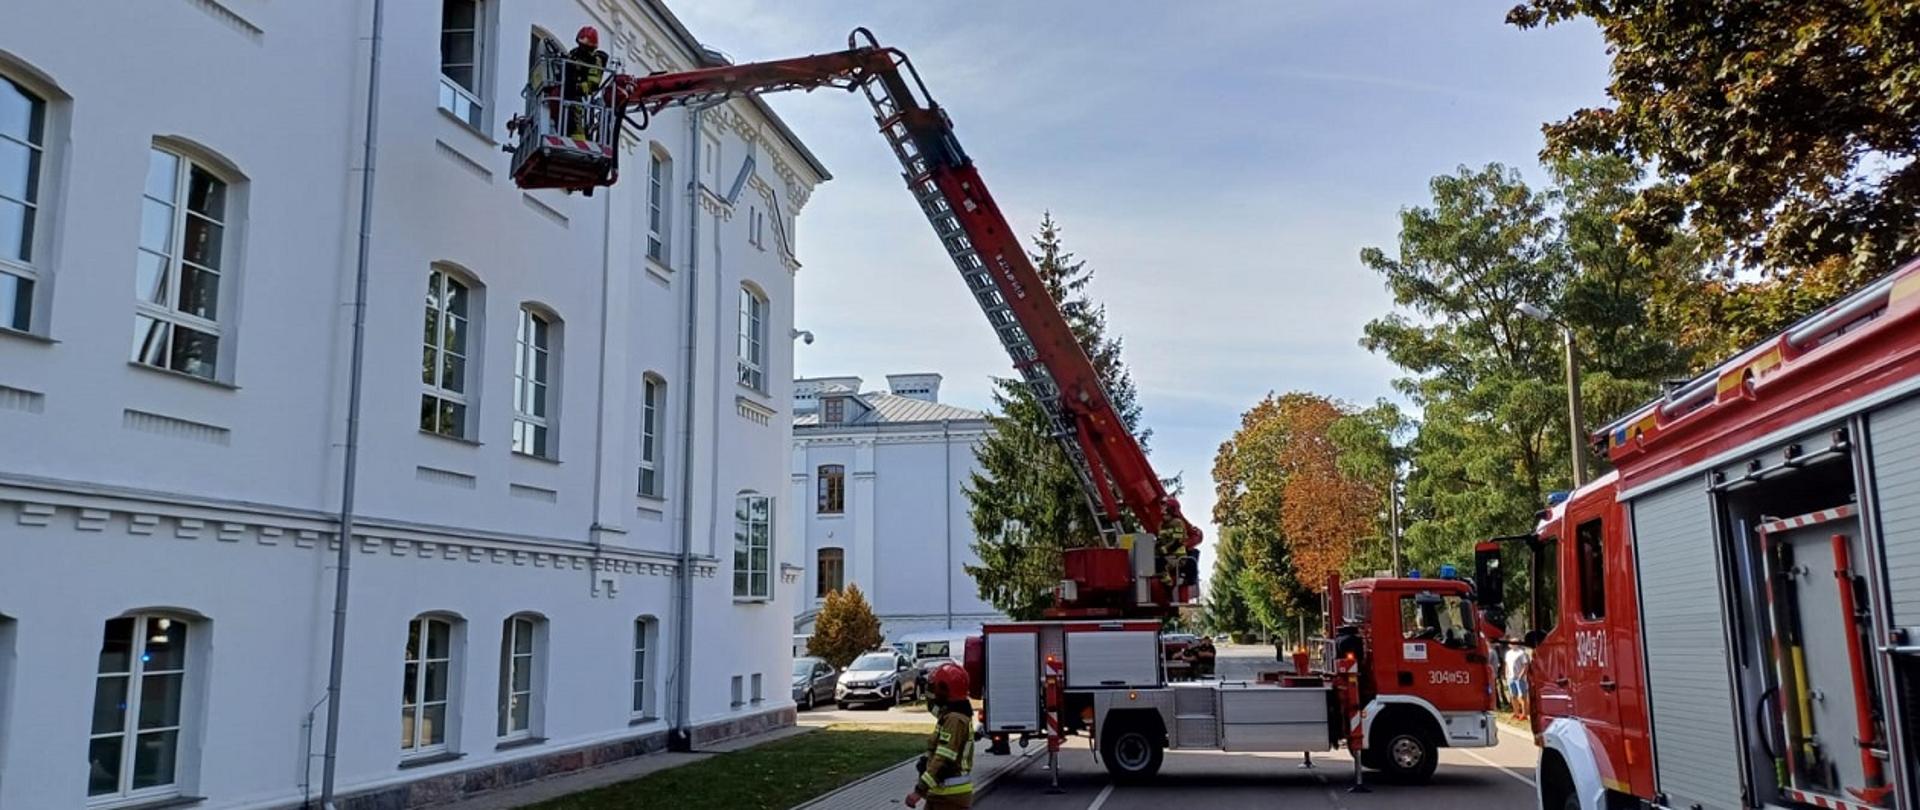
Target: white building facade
574	428
878	485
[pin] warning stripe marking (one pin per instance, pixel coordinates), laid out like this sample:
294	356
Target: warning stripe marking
1809	519
1818	800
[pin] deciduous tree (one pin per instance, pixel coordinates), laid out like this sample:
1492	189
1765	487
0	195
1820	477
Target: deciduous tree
1786	132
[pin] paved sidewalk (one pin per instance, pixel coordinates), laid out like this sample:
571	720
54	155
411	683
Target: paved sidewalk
622	771
884	790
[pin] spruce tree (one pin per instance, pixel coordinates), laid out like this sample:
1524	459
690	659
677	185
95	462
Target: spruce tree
1026	503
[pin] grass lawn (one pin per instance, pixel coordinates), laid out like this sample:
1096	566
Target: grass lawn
774	776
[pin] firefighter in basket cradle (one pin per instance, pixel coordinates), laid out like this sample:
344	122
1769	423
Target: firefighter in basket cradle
586	64
946	772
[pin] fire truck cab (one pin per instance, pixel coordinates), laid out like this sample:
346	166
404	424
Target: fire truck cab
1407	672
1731	619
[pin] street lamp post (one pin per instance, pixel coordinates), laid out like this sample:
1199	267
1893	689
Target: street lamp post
1577	438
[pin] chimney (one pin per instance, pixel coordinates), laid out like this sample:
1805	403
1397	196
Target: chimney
923	387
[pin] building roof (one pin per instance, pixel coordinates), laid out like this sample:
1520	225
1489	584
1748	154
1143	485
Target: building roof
700	52
888	409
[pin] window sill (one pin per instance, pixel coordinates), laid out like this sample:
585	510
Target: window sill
521	742
455	439
830	515
531	457
424	760
763	397
160	803
30	337
651	500
642	720
753	600
468	126
181	375
660	269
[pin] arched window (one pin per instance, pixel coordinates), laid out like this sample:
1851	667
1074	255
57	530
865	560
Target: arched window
752	546
753	339
139	695
830	568
426	711
23	137
646	631
522	665
653	402
536	353
450	356
832	489
182	266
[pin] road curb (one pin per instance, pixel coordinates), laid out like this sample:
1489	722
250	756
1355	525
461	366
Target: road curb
986	786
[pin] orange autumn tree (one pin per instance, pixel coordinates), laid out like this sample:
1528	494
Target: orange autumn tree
1284	503
1323	509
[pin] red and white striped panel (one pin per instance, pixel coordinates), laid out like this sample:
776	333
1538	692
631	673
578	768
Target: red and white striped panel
1818	800
1809	519
579	145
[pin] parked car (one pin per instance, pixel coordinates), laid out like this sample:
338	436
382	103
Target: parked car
813	681
882	676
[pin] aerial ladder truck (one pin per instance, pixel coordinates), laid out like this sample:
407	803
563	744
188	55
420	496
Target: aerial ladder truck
1094	666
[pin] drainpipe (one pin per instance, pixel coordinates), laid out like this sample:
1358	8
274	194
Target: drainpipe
344	558
681	737
594	528
946	473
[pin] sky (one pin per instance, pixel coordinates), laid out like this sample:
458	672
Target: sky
1219	165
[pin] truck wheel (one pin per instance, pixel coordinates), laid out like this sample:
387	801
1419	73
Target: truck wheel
1132	753
1370	759
1407	755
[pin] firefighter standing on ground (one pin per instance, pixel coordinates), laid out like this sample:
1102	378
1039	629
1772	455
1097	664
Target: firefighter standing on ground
946	772
580	79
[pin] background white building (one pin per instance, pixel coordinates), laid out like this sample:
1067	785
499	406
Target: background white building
877	484
571	405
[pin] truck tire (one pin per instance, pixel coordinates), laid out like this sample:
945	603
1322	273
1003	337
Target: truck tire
1407	754
1132	752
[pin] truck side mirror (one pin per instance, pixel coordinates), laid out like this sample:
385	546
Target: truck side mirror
1489	581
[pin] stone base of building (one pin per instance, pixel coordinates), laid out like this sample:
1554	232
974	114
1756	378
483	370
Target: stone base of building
449	787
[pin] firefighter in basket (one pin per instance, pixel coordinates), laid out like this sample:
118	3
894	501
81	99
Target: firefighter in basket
946	772
580	79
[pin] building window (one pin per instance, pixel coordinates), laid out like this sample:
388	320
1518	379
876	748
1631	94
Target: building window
757	693
1593	570
753	340
443	356
830	568
23	122
833	489
462	55
659	182
177	274
752	546
137	698
519	647
532	399
429	670
738	687
643	642
653	394
833	410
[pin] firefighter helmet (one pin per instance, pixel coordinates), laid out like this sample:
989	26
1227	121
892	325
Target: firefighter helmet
589	35
948	683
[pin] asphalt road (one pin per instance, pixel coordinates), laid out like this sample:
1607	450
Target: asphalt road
1467	780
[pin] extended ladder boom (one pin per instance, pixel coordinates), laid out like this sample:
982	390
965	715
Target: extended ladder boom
1112	468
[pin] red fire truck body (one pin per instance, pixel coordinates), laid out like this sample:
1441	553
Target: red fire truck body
1406	674
1731	619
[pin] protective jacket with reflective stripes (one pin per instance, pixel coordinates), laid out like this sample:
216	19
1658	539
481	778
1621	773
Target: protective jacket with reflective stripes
947	781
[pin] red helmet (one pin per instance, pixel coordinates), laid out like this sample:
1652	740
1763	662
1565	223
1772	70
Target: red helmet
948	683
590	34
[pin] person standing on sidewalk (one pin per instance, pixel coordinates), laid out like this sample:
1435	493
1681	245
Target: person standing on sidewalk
946	772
